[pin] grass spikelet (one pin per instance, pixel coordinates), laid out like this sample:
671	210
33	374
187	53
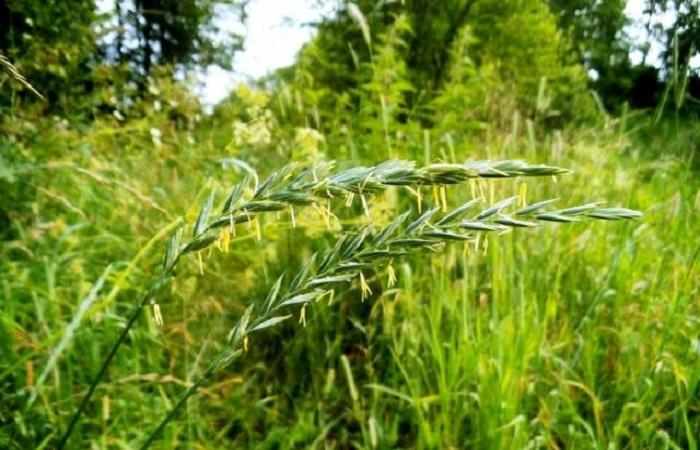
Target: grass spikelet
358	251
354	253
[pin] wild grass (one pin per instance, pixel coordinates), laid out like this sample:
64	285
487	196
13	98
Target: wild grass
362	251
281	190
576	336
16	75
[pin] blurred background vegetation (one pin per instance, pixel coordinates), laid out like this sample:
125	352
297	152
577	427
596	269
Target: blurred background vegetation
576	337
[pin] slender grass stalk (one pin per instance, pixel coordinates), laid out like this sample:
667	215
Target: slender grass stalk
110	356
173	412
15	73
83	307
289	187
365	250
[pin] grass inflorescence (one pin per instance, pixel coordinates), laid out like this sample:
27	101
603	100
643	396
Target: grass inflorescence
369	250
288	188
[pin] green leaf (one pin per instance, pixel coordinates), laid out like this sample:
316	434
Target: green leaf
272	295
513	168
239	165
223	360
303	273
301	298
498	207
245	319
199	243
353	265
330	279
239	330
231	219
534	207
201	223
614	214
454	215
574	210
480	226
351	246
443	173
332	254
351	179
382	254
554	217
235	195
389	229
312	175
270	322
272	180
263	206
172	250
510	222
411	242
448	235
397	173
417	225
292	197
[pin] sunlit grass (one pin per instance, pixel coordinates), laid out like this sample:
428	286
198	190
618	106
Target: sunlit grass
581	336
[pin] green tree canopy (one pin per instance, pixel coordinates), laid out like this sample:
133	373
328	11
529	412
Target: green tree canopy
64	47
514	43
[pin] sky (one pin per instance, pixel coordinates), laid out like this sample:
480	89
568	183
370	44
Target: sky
636	30
276	30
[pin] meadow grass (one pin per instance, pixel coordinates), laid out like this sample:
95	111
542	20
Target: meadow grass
285	189
581	336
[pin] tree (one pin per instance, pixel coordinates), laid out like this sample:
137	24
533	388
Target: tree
597	30
177	33
52	42
681	41
515	41
65	47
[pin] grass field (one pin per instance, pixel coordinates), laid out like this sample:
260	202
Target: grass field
579	335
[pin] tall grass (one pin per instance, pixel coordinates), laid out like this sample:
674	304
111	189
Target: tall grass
360	252
284	189
586	332
578	336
